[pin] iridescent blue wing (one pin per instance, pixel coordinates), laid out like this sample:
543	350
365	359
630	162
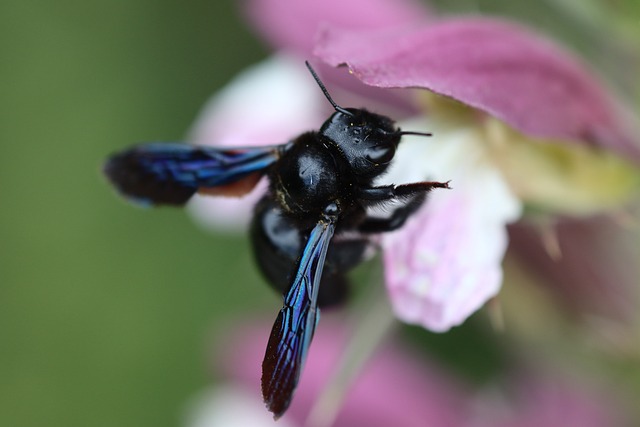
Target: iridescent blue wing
156	174
296	322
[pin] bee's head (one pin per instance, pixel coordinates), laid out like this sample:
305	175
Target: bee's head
367	140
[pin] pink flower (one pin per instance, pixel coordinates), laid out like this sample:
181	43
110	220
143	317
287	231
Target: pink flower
518	123
396	387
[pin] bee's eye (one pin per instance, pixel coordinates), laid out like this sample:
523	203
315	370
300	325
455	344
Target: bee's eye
380	154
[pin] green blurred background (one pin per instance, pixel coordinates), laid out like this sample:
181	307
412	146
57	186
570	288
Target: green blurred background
106	310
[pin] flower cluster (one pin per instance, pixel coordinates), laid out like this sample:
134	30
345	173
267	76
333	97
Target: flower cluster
539	158
522	129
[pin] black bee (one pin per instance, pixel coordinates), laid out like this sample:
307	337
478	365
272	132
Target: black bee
321	184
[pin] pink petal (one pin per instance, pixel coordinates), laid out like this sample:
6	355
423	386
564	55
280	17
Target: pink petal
293	24
495	66
446	262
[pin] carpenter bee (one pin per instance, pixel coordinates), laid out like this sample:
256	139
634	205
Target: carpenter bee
310	228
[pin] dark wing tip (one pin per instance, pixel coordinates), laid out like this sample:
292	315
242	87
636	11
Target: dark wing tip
132	175
278	379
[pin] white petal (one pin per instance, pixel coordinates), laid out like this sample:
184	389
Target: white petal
231	406
270	103
446	262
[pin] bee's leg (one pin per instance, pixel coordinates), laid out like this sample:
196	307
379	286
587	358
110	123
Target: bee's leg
394	221
391	192
414	196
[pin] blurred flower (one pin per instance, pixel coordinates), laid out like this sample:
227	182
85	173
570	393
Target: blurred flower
539	398
393	388
397	388
520	126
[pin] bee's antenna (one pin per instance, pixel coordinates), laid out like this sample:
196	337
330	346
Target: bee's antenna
414	133
326	92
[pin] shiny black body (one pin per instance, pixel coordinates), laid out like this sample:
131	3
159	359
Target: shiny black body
311	227
332	165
